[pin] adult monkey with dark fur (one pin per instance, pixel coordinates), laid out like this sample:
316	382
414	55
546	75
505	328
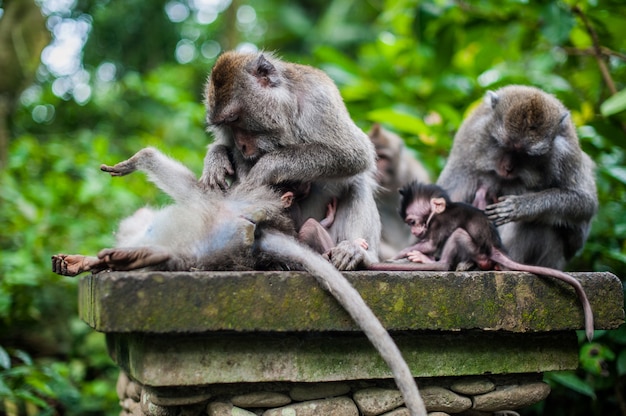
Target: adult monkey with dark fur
243	229
517	156
276	122
454	233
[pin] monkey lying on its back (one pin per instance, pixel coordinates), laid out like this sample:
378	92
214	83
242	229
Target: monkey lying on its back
243	229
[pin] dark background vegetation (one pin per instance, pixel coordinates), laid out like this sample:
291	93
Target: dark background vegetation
85	82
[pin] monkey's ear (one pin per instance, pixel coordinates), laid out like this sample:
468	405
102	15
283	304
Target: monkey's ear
265	72
438	205
564	118
492	98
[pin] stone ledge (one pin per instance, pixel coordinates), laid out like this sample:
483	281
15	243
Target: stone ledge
200	302
217	358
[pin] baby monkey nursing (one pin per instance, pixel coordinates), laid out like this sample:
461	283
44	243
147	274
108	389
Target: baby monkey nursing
241	229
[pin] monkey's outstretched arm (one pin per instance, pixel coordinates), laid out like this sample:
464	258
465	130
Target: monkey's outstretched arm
285	248
424	246
548	206
505	261
308	163
171	176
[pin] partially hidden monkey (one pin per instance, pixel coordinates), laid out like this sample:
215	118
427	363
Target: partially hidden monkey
242	229
455	233
276	122
396	166
517	156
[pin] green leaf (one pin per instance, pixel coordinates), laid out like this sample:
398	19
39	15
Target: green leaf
616	172
400	121
5	360
572	381
5	391
614	104
23	355
31	398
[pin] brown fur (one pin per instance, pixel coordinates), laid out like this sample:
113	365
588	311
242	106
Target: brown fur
518	157
277	122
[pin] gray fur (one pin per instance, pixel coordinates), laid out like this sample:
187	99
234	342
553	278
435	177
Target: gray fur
544	206
244	228
276	122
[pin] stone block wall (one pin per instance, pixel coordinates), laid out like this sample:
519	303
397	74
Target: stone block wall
481	395
276	344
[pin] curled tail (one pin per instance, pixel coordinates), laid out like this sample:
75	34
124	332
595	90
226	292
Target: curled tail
507	262
285	248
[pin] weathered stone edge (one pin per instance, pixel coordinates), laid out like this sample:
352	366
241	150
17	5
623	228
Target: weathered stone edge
198	302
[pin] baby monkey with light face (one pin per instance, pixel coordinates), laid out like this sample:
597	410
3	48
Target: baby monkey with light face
452	234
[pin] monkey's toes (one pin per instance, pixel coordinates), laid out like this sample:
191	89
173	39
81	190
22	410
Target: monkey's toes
118	170
67	265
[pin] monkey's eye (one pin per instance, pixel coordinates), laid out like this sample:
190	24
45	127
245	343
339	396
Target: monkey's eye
410	222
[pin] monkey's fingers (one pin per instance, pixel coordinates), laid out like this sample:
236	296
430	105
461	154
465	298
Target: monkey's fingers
419	257
212	181
499	213
362	242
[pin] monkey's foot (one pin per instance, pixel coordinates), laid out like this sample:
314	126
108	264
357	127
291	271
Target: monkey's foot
121	169
74	264
419	257
132	258
347	255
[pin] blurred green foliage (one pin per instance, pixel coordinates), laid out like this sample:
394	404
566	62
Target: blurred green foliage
415	66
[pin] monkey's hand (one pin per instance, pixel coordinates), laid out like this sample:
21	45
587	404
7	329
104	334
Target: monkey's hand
217	169
347	255
507	209
419	257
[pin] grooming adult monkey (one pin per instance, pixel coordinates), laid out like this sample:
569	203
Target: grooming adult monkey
243	229
276	122
517	157
396	166
455	233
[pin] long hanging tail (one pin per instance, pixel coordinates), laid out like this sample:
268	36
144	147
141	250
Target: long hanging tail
281	246
504	260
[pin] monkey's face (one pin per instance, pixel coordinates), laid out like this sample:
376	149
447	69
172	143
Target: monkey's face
248	101
417	213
